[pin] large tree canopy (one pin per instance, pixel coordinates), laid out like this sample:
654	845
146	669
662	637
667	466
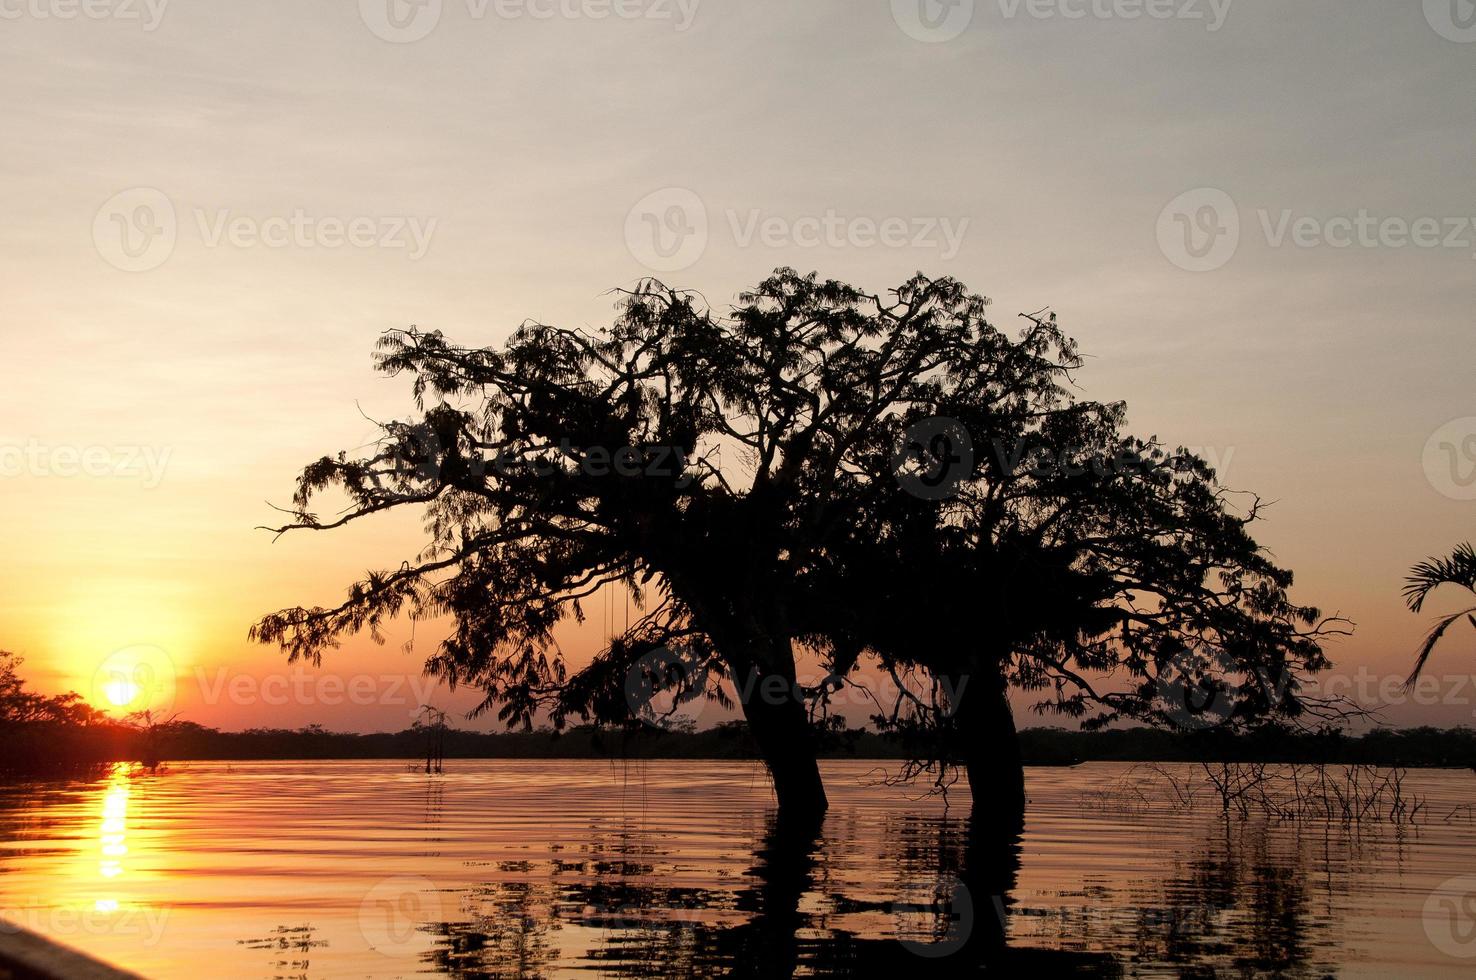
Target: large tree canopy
818	468
706	462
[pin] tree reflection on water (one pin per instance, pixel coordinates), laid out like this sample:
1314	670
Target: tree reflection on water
1245	904
791	914
902	892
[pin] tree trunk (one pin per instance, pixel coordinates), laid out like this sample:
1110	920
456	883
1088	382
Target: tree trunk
759	655
785	741
991	751
992	757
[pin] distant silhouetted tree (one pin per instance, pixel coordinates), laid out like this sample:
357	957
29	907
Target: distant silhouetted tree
11	686
1459	568
19	706
707	463
56	734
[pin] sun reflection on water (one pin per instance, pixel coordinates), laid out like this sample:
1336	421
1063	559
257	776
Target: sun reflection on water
112	834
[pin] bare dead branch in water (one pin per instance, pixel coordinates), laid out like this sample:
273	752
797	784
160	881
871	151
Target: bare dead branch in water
1346	794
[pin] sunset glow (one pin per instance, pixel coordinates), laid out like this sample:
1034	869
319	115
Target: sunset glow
688	488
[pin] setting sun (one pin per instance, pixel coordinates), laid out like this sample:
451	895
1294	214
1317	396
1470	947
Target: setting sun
120	692
135	679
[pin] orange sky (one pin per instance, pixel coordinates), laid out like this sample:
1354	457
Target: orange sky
147	416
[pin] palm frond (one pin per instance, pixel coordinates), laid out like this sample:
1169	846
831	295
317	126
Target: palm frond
1459	568
1428	646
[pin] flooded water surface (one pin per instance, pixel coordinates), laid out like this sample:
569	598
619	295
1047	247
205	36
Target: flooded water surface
546	868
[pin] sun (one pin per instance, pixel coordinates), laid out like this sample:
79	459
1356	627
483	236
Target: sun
120	692
135	679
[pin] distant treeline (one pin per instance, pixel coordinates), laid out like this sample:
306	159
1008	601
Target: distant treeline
1412	747
35	750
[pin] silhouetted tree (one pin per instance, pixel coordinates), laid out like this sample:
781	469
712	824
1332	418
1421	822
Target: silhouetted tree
1459	568
1052	550
705	462
53	734
19	706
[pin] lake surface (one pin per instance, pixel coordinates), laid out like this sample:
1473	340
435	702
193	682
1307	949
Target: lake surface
546	868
